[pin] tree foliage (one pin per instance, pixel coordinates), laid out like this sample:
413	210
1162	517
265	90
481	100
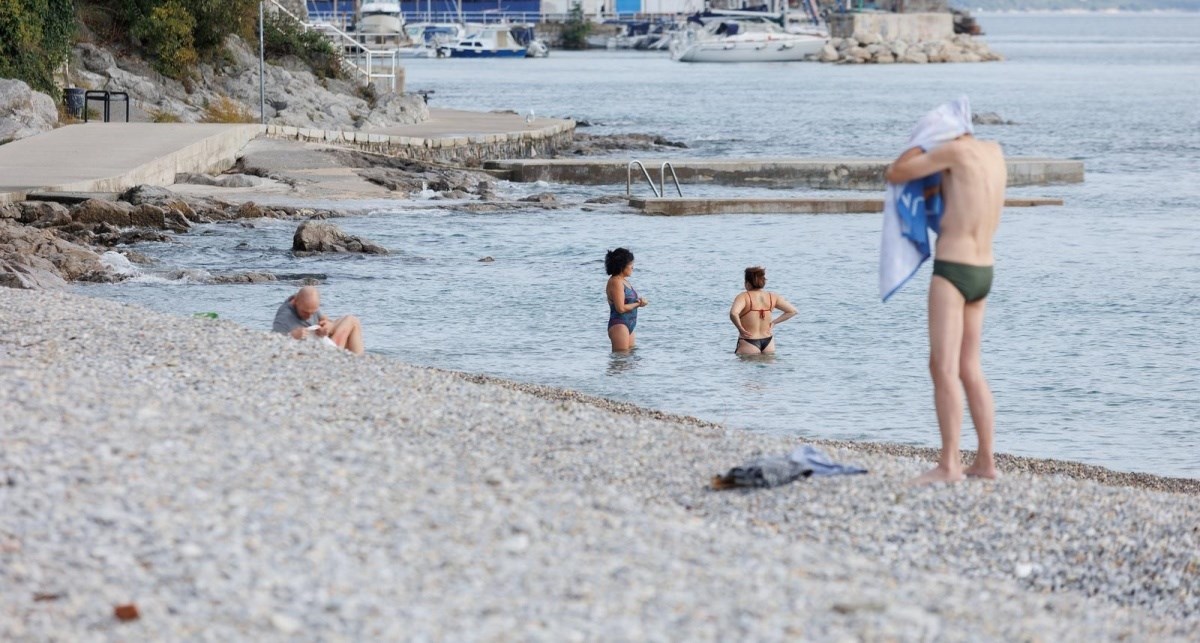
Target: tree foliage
167	35
576	29
35	39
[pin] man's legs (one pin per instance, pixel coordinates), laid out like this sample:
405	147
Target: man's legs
347	333
945	348
979	396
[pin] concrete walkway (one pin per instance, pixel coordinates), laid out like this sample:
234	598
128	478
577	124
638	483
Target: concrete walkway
110	157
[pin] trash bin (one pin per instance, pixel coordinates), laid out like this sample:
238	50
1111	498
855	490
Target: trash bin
74	97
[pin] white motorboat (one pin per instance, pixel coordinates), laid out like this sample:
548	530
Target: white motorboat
428	37
380	25
490	41
738	39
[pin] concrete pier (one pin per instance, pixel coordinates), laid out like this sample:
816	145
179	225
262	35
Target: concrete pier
688	207
821	173
110	157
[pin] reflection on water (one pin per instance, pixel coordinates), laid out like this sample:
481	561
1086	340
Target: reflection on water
622	362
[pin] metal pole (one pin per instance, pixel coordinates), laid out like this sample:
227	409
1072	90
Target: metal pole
262	67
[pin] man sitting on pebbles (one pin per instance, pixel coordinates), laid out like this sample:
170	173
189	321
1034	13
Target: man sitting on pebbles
300	316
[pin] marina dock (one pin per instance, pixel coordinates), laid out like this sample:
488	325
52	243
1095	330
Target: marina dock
819	173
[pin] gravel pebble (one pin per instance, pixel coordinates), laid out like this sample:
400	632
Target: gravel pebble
234	484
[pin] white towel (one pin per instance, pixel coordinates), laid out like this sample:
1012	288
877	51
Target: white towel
901	251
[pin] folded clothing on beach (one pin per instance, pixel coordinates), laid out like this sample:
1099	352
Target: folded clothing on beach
911	210
776	470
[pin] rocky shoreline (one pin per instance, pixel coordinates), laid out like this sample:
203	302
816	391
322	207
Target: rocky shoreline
45	244
224	489
873	48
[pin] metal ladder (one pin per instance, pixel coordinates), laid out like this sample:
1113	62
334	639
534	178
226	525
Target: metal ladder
659	190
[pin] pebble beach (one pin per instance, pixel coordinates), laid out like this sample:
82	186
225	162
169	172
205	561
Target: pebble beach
233	484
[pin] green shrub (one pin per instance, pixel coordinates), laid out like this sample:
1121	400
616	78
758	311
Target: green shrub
167	35
35	40
283	37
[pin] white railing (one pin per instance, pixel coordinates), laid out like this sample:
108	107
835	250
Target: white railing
369	65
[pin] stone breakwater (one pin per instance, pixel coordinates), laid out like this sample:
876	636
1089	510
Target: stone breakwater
874	48
241	485
467	150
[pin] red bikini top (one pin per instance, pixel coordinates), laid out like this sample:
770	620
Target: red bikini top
762	312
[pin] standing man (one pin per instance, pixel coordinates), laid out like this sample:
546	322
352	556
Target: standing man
974	175
300	316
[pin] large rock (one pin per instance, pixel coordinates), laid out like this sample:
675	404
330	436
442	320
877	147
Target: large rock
43	213
33	258
294	95
114	213
23	111
316	236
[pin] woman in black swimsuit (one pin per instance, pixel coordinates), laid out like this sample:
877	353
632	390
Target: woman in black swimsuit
751	314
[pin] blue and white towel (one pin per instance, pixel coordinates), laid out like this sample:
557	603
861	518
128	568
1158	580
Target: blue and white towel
775	470
911	210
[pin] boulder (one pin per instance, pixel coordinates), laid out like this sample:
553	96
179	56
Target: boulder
116	213
828	54
316	236
239	181
885	58
859	54
244	278
898	48
43	213
33	273
148	216
915	56
990	118
543	198
12	211
397	109
34	258
151	194
23	111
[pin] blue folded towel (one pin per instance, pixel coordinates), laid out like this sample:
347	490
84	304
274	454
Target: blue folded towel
911	210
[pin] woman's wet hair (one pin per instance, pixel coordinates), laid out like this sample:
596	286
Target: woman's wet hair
616	260
756	277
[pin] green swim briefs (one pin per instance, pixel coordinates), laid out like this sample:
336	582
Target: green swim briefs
974	282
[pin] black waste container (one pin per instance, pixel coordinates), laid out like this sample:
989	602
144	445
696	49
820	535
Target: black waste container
74	96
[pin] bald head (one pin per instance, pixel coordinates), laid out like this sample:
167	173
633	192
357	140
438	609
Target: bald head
307	302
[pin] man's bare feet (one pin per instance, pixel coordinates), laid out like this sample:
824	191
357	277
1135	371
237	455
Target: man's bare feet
982	470
938	474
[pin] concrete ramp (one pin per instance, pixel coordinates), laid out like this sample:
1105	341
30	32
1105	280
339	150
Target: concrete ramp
111	157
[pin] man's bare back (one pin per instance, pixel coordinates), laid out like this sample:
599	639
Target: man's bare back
974	175
973	189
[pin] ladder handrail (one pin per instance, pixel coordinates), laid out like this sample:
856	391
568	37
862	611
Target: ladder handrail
339	38
645	172
662	178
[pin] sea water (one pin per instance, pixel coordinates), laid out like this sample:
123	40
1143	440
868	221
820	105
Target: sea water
1090	342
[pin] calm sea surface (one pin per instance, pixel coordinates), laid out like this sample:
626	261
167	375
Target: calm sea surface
1091	337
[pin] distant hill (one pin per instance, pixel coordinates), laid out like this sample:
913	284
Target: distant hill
1086	5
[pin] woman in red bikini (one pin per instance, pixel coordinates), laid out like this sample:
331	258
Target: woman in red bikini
751	314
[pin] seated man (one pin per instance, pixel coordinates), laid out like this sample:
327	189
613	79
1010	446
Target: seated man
300	316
